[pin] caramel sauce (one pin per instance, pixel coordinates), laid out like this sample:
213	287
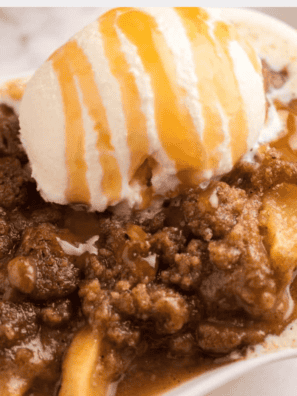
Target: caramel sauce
136	123
286	142
63	61
232	102
174	123
81	224
194	142
212	86
72	57
197	32
155	375
15	89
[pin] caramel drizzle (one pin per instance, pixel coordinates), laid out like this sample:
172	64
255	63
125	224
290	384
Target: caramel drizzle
77	189
137	137
80	67
176	129
233	102
213	82
174	123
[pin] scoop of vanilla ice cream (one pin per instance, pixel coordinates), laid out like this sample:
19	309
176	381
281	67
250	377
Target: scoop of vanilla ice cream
140	103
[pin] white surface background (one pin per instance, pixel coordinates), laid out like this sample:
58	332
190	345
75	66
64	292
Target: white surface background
27	37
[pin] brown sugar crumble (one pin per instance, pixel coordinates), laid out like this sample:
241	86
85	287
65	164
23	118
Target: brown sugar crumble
201	277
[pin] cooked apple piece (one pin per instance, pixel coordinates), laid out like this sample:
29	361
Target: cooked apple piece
279	216
79	376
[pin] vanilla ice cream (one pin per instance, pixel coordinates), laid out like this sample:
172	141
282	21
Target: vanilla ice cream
140	103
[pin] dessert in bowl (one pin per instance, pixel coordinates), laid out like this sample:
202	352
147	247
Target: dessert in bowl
155	234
